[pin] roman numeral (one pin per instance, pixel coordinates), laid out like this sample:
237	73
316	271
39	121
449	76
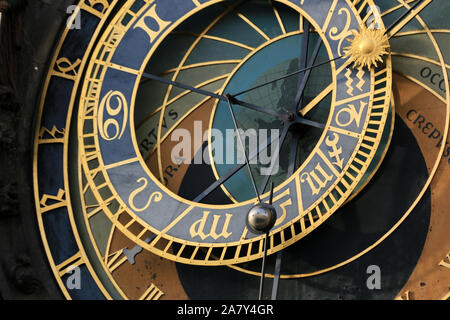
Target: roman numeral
51	202
90	100
152	293
115	260
51	136
66	69
74	261
89	7
92	154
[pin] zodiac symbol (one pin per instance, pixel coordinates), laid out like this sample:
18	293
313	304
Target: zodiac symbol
315	182
346	31
336	152
155	196
105	126
353	114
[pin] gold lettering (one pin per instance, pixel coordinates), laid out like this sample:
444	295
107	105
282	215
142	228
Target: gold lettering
318	183
90	4
198	228
155	196
283	206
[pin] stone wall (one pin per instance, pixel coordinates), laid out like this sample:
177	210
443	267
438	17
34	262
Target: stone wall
27	36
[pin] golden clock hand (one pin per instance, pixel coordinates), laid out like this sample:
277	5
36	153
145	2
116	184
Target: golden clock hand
236	126
401	21
263	268
305	110
224	178
392	30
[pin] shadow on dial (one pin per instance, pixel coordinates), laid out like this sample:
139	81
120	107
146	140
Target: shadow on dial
352	229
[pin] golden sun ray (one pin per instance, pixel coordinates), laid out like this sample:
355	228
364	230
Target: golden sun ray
367	47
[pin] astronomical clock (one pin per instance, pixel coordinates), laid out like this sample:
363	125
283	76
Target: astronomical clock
159	125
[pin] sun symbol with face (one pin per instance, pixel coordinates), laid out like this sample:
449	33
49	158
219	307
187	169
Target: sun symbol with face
368	47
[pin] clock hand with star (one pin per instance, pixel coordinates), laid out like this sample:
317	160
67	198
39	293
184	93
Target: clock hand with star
390	31
304	79
293	118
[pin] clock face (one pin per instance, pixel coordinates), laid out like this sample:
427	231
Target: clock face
162	123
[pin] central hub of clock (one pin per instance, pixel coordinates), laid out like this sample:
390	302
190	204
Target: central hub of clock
274	60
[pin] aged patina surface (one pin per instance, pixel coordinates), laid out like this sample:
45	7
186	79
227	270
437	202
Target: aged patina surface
28	31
